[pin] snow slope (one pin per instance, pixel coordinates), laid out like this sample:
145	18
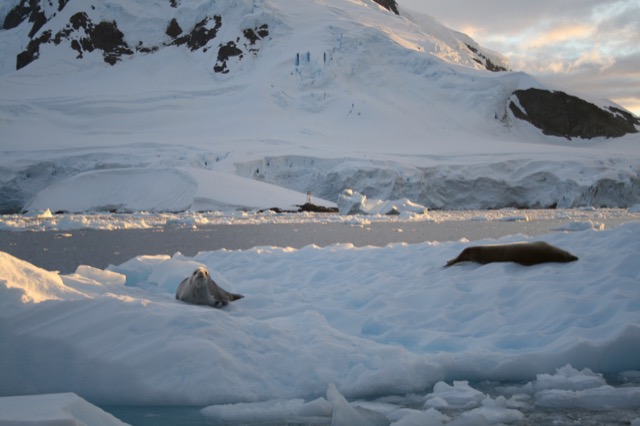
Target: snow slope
320	329
339	95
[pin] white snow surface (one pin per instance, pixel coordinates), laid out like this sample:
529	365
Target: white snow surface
350	203
323	333
392	107
65	409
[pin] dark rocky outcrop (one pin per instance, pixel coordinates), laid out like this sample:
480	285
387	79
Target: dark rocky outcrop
255	34
26	9
173	29
390	5
304	208
29	10
484	60
39	19
206	30
626	115
32	52
559	114
225	52
83	36
314	208
232	49
16	16
201	34
107	37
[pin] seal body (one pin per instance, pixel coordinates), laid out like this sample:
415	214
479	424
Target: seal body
523	253
200	289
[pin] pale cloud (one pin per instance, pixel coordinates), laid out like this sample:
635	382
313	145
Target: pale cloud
595	57
539	61
471	30
561	34
588	46
632	104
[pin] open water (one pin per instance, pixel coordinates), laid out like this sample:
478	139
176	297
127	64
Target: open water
64	251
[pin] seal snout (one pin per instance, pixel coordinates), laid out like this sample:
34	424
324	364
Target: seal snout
571	258
200	273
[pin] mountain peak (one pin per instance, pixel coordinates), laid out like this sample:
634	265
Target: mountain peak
343	58
85	28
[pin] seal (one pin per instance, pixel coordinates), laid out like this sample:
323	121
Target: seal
200	289
523	253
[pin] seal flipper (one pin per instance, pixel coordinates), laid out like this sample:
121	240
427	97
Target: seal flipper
233	296
451	262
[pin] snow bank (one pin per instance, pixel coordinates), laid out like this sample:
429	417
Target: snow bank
160	190
66	409
371	321
25	283
118	190
350	202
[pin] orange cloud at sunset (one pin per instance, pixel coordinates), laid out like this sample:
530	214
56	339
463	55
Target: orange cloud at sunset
559	35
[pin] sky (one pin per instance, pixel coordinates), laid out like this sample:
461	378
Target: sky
589	47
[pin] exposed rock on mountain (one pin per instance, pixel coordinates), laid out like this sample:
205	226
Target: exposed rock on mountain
30	10
173	30
201	34
230	49
85	36
559	114
389	5
485	61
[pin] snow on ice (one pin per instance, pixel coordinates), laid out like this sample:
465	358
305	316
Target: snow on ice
54	409
372	335
350	203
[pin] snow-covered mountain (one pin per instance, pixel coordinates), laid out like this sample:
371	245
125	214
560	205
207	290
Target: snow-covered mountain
175	105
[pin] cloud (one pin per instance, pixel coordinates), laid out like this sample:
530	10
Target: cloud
618	83
561	34
595	57
591	46
539	61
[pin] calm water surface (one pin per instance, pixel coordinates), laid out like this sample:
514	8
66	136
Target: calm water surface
64	251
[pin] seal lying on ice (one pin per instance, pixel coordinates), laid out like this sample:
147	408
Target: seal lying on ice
200	289
523	253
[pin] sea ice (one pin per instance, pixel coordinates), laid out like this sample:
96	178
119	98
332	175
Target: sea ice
372	321
65	409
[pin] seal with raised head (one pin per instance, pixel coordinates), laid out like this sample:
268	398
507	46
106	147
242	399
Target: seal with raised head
523	253
200	289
